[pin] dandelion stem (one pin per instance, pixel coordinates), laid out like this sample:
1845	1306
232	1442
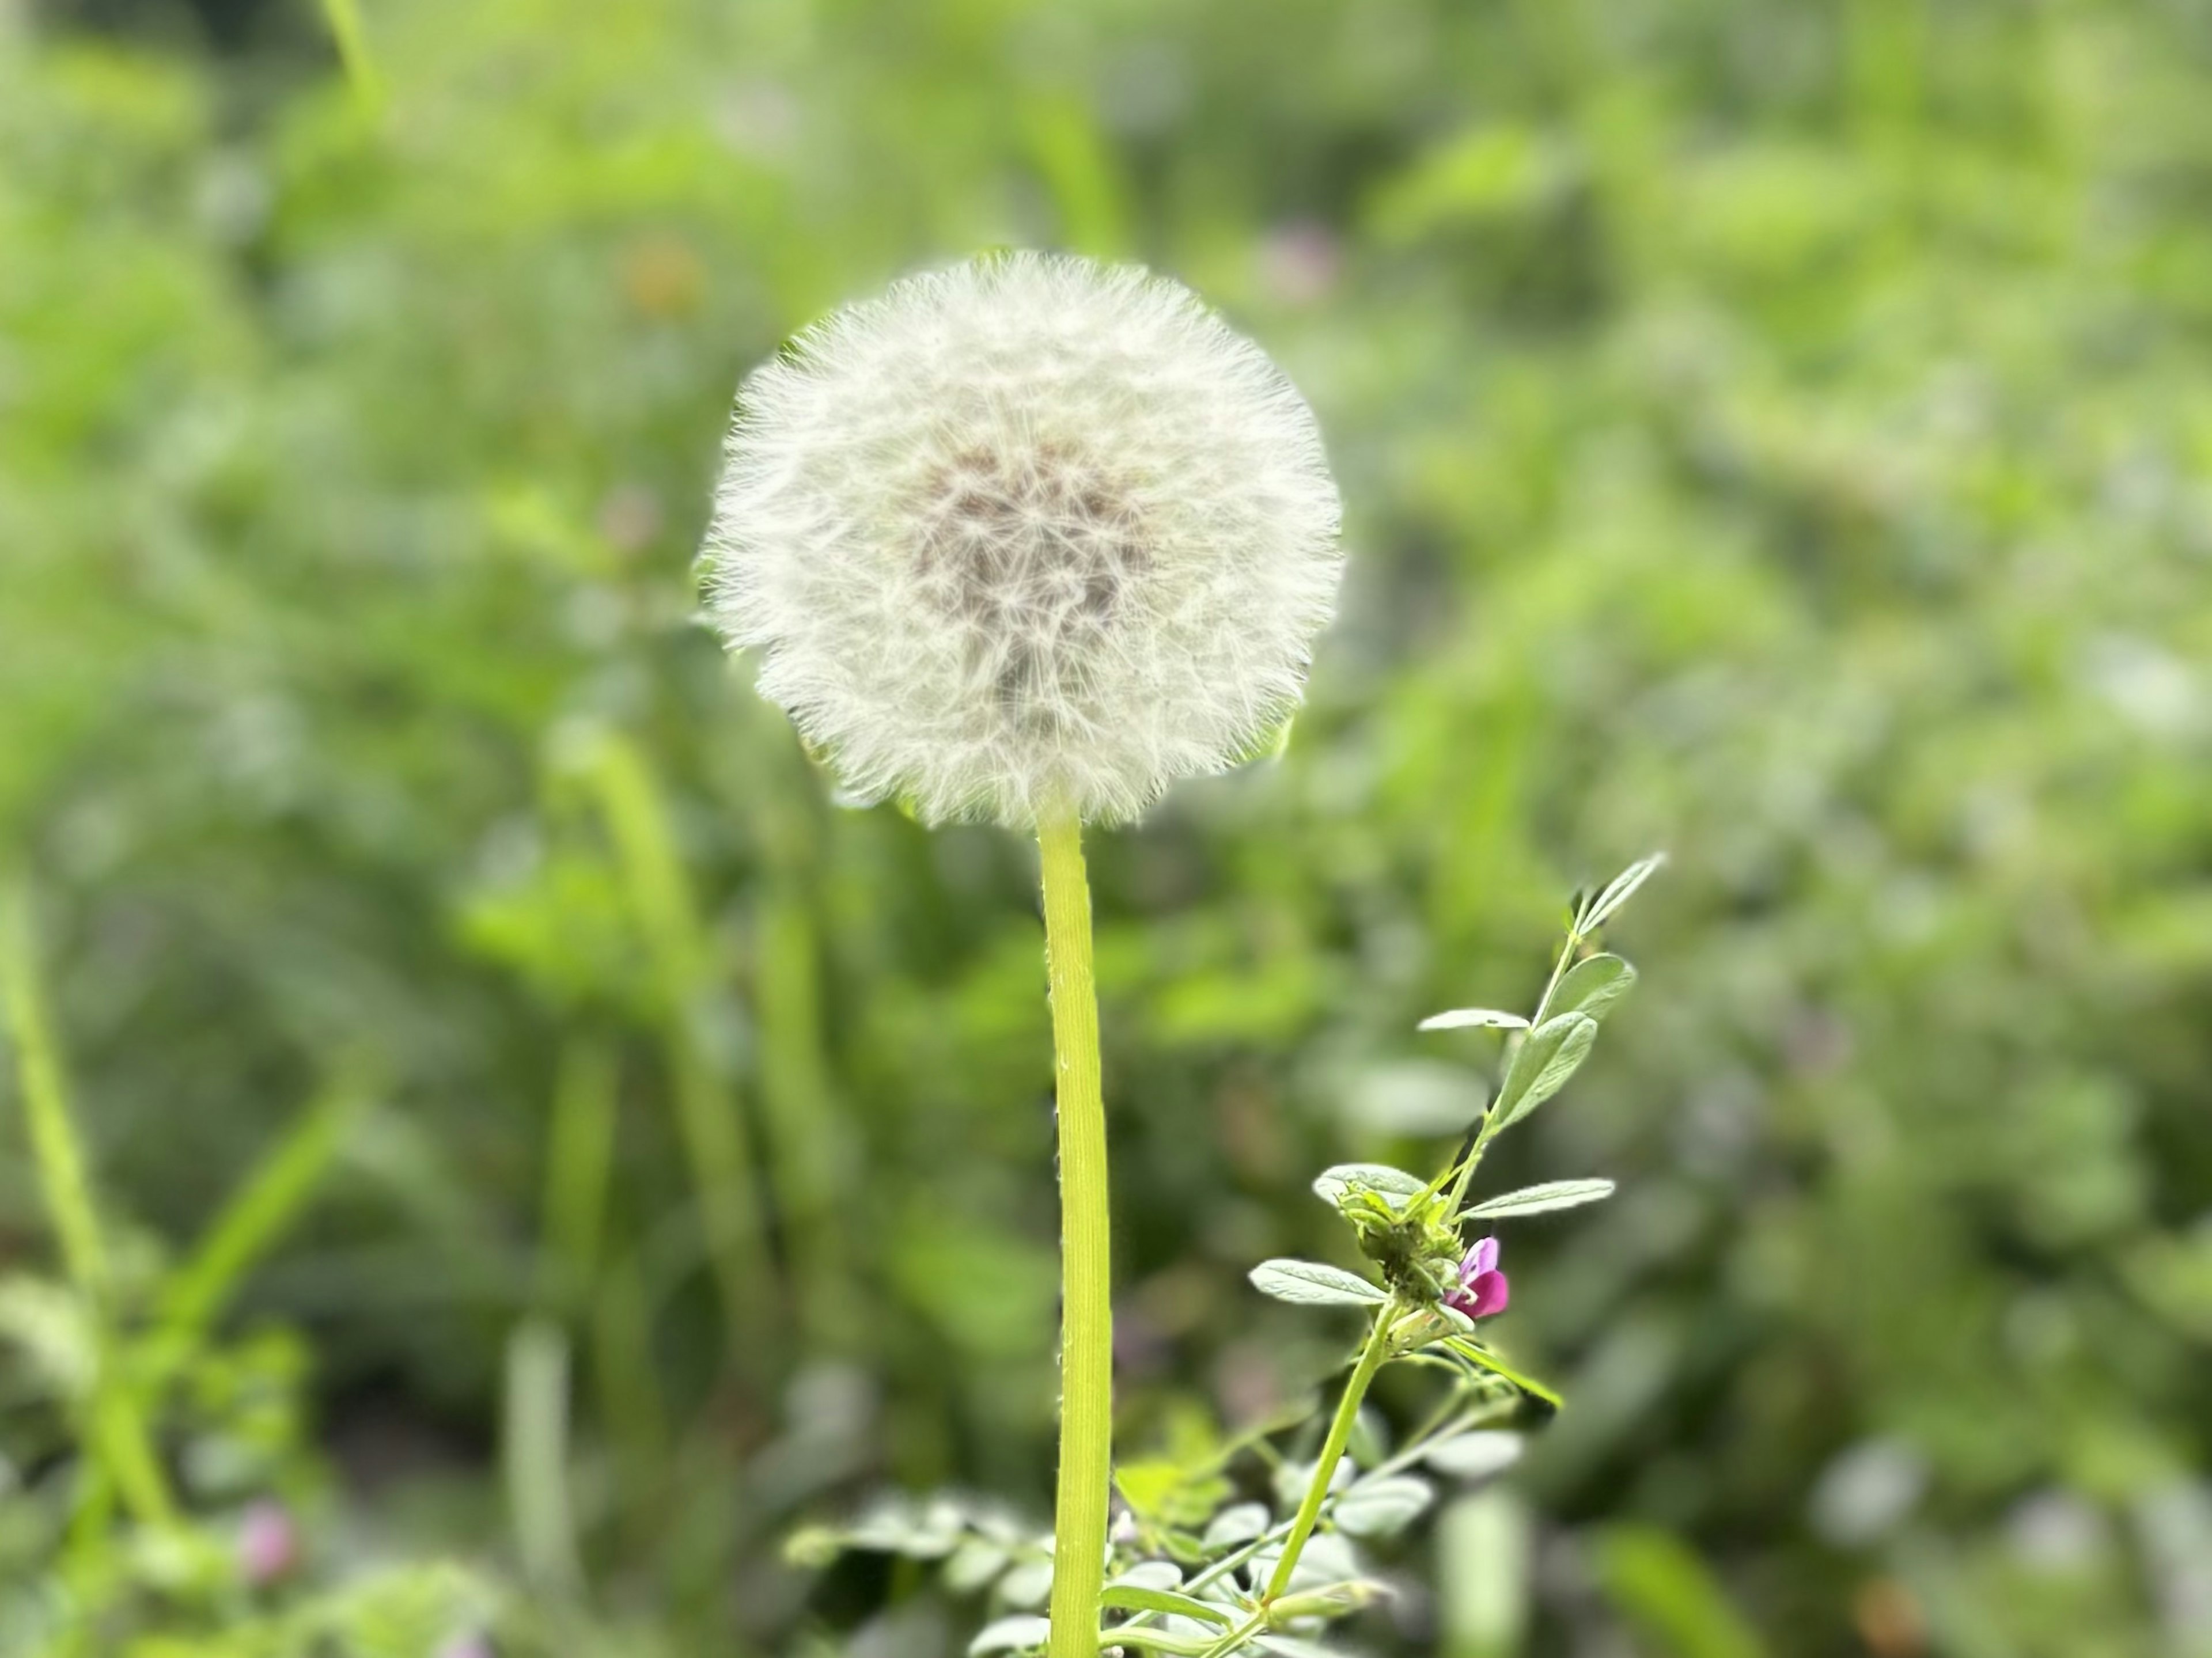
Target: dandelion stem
1086	1344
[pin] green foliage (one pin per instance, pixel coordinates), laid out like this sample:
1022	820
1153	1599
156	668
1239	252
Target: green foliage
1313	1284
1192	1562
1780	433
1668	1597
1268	1572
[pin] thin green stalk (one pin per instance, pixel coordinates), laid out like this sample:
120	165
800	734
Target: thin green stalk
623	1368
579	1170
805	1138
1332	1448
113	1423
717	1142
1466	1167
603	1298
343	19
1086	1343
67	1190
250	1221
1447	1420
535	1458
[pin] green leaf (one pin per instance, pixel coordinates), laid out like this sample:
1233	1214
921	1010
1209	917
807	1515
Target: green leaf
1150	1574
1292	1480
1238	1524
1376	1507
1310	1283
1179	1490
1290	1646
897	1527
1482	1358
1669	1596
1128	1597
1541	1066
1592	986
1369	1441
1152	1639
973	1565
1483	1548
256	1216
1472	1019
1027	1584
1330	1600
1011	1635
1622	889
1329	1558
1542	1200
1478	1455
1333	1185
1412	1099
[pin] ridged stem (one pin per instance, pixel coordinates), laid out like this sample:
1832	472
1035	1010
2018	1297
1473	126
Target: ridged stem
1086	1342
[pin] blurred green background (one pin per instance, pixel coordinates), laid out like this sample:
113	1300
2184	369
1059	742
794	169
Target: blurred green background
1782	433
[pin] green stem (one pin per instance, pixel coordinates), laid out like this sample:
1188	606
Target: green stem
1466	1171
798	1099
1086	1342
343	19
62	1177
1332	1448
1445	1422
113	1424
716	1138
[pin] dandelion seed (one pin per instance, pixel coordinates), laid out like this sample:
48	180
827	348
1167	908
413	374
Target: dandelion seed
1027	535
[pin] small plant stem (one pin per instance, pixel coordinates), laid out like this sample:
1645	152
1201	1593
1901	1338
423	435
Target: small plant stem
54	1145
717	1139
114	1425
343	19
1574	941
1332	1448
797	1095
1447	1420
1086	1342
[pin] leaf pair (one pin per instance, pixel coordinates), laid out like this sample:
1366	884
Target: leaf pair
1553	1051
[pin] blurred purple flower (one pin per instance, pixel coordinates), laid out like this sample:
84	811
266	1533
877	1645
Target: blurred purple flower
268	1543
1299	261
1482	1287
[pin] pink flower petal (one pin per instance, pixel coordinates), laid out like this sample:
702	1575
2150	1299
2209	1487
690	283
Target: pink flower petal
1482	1258
1487	1294
268	1543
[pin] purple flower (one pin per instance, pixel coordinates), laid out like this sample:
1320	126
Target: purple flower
268	1543
1482	1287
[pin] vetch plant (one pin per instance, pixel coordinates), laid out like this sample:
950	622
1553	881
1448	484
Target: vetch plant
1029	539
1200	1566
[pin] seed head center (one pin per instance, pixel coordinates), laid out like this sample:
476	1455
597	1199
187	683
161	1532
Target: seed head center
1034	551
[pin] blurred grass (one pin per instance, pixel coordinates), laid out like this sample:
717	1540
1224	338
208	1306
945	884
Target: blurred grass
1782	434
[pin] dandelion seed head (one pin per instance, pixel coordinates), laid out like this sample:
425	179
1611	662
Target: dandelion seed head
1026	533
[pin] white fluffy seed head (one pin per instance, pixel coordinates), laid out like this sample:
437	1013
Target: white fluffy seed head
1027	534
